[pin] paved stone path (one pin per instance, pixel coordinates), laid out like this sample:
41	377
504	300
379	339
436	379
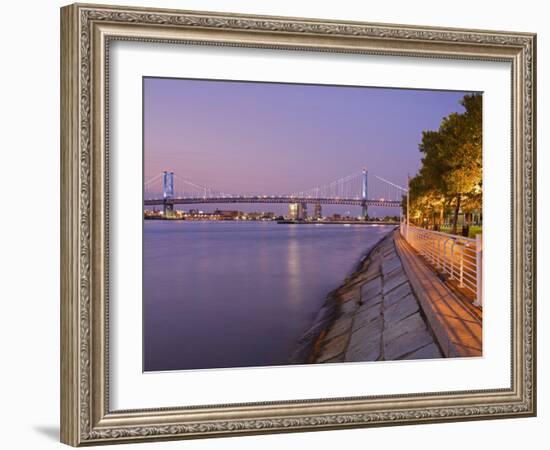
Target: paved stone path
378	316
457	327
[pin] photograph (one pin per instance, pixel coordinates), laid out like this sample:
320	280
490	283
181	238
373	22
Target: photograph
295	224
280	221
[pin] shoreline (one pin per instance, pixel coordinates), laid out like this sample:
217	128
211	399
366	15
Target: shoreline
392	307
282	222
308	346
335	222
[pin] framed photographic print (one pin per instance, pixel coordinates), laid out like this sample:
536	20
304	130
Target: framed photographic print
275	224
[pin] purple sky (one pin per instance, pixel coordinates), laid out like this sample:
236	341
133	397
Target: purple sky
271	138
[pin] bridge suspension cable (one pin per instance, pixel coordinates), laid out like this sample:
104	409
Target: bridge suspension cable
151	180
348	186
182	188
352	187
197	190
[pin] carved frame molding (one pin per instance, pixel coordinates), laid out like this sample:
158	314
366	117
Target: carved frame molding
86	31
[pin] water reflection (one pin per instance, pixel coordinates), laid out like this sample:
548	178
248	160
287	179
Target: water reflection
231	294
294	273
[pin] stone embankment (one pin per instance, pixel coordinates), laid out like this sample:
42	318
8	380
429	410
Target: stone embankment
373	316
379	317
394	306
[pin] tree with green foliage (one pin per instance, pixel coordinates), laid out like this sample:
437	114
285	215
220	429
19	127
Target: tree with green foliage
451	172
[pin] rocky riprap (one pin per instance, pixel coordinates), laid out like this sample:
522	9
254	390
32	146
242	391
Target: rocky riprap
373	316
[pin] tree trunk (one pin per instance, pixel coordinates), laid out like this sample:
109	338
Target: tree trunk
455	217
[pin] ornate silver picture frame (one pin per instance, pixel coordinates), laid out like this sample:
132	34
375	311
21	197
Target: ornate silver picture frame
87	33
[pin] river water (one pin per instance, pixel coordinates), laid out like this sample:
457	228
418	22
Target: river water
238	294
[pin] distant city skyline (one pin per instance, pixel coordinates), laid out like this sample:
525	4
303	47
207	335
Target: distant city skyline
276	138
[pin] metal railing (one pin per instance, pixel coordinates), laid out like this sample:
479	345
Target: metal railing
460	258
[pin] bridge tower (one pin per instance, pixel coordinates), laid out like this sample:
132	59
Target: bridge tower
364	194
168	193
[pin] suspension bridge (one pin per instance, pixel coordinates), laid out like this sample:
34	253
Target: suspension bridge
168	189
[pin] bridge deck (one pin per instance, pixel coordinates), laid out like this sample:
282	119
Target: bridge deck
273	200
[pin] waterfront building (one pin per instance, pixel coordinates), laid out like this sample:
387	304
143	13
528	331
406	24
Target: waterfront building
297	211
227	215
317	211
168	212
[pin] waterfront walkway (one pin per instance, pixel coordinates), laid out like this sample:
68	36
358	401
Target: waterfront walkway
396	307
